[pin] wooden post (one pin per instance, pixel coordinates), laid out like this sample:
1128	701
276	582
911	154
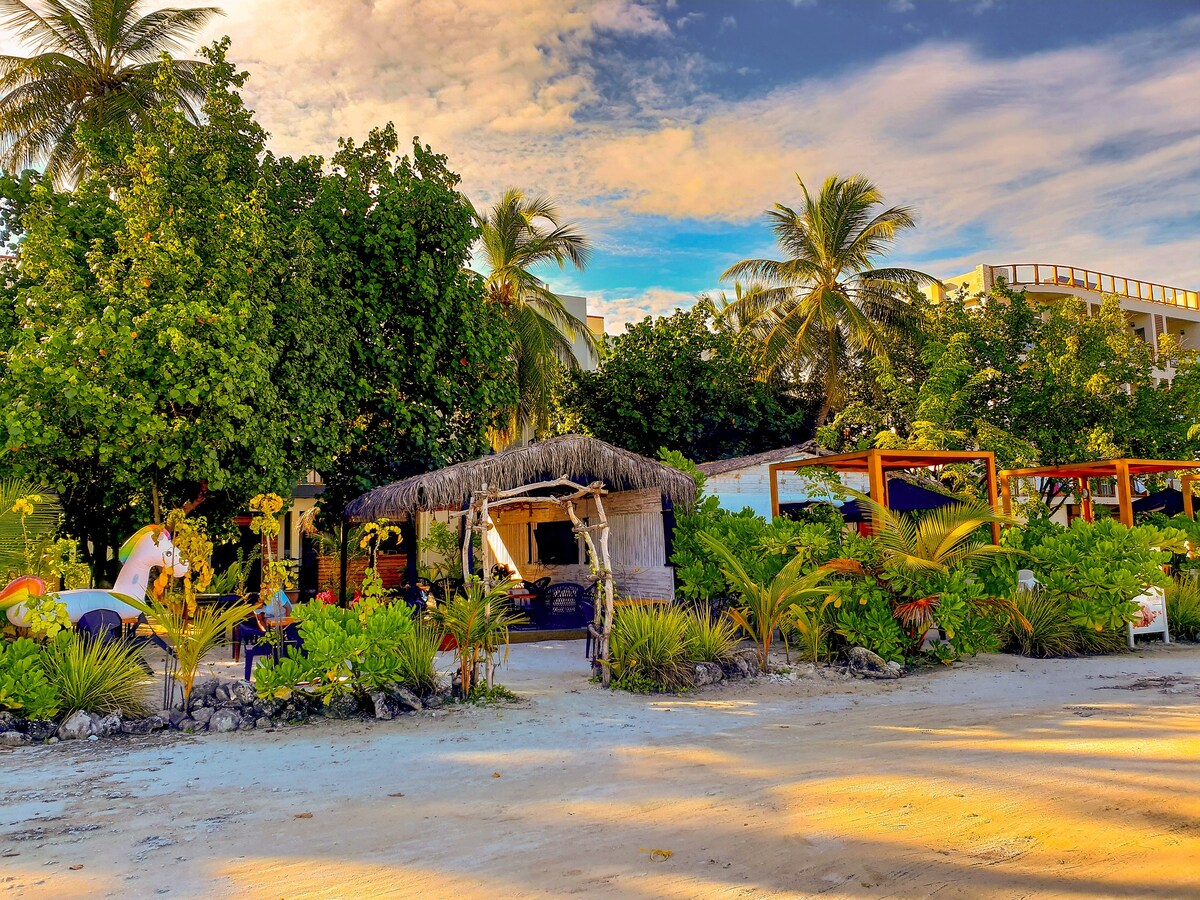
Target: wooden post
1124	500
603	572
990	463
876	479
1085	500
1006	493
468	536
773	475
485	550
1189	506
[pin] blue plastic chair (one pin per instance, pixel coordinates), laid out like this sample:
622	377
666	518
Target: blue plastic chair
102	625
250	634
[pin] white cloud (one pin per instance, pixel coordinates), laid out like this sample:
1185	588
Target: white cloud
901	6
621	308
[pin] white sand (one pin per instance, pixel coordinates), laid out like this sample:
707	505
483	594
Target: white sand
1001	777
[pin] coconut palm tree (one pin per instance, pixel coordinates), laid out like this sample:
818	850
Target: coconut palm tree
519	234
95	64
826	301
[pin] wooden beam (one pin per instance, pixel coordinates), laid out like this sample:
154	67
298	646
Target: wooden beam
773	475
990	465
1084	495
1124	488
875	478
1189	506
1006	493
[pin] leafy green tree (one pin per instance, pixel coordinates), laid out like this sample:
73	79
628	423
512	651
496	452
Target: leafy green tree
142	366
428	373
519	234
96	67
678	383
826	302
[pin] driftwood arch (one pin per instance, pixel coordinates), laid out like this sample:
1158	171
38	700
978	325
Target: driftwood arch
565	494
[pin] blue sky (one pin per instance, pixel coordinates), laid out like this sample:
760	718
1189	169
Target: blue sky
1059	131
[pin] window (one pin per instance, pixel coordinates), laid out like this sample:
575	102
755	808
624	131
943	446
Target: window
556	544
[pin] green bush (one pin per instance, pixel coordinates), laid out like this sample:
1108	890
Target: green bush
352	652
710	638
25	688
1183	608
97	676
865	617
1050	633
649	648
1098	568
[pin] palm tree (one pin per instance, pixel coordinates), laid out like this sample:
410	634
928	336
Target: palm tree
826	301
518	235
96	64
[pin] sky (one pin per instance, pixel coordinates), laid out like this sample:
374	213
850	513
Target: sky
1050	131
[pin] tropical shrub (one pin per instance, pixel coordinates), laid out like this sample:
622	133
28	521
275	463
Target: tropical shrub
762	605
352	652
478	620
98	676
1050	633
811	626
1183	608
192	636
1098	568
710	638
25	688
866	617
649	648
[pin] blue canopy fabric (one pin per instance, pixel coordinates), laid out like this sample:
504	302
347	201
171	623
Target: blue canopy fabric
1168	501
903	496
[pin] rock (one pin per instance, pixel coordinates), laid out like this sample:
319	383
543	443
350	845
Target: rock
264	722
866	664
175	716
742	664
224	720
14	738
221	695
203	716
205	687
247	723
143	726
40	729
343	706
9	722
434	701
896	667
402	697
242	692
109	725
383	706
190	726
707	673
78	726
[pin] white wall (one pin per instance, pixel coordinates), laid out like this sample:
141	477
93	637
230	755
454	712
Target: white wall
752	487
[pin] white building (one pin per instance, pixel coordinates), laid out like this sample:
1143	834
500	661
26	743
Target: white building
745	481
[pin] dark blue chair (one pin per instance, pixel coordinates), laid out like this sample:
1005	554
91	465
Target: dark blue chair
250	635
102	625
563	607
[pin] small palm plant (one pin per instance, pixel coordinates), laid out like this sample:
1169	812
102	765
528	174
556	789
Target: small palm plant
940	541
97	676
762	607
191	637
479	621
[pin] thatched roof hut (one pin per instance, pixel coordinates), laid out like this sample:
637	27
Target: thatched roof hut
578	457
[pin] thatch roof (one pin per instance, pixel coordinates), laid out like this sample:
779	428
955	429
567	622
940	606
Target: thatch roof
580	458
738	463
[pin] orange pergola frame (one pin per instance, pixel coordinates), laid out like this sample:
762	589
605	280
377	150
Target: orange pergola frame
1122	469
877	463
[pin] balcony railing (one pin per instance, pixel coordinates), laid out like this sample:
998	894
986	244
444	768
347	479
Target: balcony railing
1073	277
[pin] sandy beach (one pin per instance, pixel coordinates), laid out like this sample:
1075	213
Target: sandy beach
1000	777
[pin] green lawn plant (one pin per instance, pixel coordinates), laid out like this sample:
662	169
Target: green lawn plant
649	648
710	638
25	687
97	676
478	620
761	607
191	637
1183	608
